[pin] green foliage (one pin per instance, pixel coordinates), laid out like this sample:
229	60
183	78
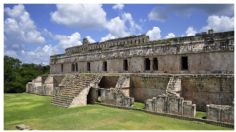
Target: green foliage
138	105
200	114
16	74
38	113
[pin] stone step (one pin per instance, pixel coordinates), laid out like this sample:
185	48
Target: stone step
61	105
73	85
62	101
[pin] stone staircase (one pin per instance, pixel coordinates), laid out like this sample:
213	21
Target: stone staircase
174	86
70	87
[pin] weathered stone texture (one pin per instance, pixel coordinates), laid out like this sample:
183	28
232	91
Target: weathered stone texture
198	69
208	89
74	89
222	113
170	104
44	85
23	127
145	87
203	56
189	109
112	97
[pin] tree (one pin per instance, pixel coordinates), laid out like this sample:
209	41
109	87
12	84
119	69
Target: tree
16	74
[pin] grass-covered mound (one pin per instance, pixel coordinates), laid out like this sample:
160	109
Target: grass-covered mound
38	113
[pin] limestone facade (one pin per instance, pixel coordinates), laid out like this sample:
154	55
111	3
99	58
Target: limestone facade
221	113
208	53
177	75
171	104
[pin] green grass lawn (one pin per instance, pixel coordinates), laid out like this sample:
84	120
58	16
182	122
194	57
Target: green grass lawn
37	112
138	105
200	114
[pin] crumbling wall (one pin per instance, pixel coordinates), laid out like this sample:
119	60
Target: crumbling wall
44	85
115	65
55	68
147	86
222	113
29	87
136	64
170	104
213	62
208	89
189	109
112	97
108	81
49	85
123	84
203	56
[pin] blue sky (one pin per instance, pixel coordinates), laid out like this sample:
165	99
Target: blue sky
33	32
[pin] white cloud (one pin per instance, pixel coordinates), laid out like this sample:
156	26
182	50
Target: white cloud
107	37
69	41
92	15
190	31
117	27
219	23
118	7
40	55
19	27
154	34
123	26
170	35
158	15
90	39
81	15
133	26
20	32
16	11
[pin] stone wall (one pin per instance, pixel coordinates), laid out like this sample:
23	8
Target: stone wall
111	97
221	113
208	89
108	81
113	43
44	85
147	86
202	62
204	56
170	104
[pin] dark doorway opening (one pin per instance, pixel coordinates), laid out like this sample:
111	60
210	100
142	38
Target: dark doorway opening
62	68
155	64
88	66
125	65
90	97
72	67
147	64
108	82
76	67
184	63
104	67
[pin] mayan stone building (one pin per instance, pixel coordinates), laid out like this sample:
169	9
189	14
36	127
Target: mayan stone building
176	75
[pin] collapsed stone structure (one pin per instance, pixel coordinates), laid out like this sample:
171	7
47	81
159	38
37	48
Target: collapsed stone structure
222	113
171	104
177	75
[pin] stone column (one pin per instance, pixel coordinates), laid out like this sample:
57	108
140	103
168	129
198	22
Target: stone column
148	105
151	64
103	94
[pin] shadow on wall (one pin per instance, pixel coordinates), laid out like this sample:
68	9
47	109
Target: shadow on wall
108	82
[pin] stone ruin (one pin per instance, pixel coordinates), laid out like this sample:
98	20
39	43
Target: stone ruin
116	98
171	104
221	113
178	76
